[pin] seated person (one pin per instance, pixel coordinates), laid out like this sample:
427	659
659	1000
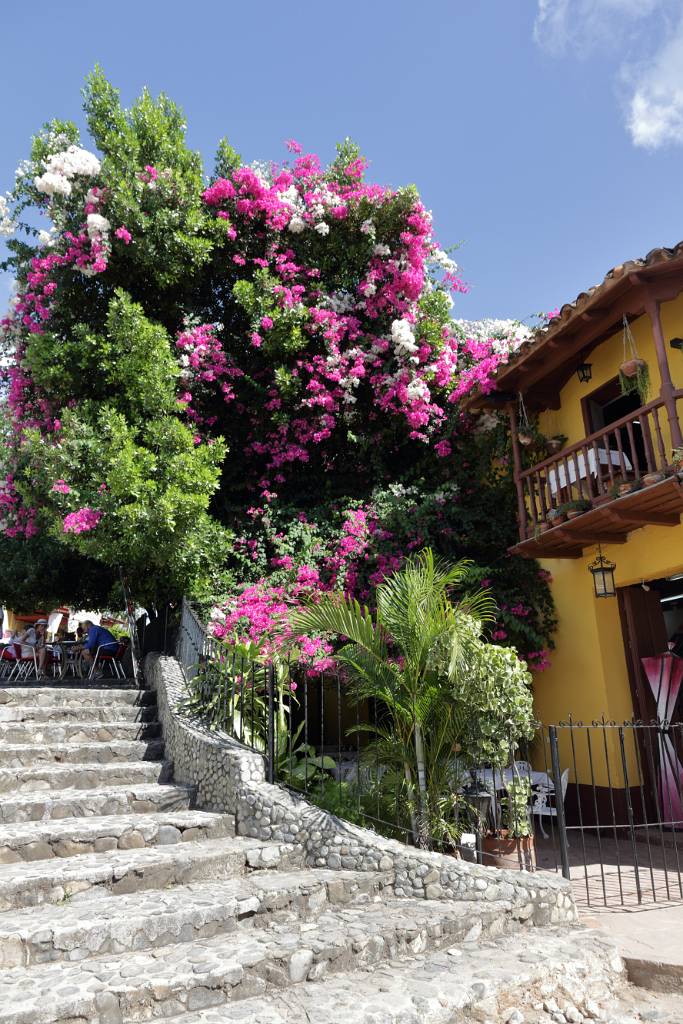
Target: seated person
33	640
98	637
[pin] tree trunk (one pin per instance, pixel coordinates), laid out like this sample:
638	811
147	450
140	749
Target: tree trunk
424	838
411	805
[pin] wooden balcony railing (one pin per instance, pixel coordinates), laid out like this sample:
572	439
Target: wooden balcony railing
629	454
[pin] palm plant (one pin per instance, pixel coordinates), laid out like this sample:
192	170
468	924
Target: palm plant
408	657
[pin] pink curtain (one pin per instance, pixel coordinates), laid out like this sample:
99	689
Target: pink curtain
665	676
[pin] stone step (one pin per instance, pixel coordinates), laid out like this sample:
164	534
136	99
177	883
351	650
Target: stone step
71	837
87	926
83	731
63	713
17	755
60	694
130	871
105	801
171	980
48	777
76	732
498	981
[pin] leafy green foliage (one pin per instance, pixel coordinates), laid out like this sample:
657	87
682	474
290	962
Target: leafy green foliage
449	699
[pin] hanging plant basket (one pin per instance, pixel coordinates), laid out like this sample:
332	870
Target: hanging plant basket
525	439
634	375
631	367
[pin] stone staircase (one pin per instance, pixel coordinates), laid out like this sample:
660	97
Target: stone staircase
121	902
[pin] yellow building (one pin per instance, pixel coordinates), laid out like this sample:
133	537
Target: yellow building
607	483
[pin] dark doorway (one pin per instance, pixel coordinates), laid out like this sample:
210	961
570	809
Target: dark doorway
645	635
605	406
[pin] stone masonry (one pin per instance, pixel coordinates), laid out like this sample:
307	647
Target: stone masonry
121	901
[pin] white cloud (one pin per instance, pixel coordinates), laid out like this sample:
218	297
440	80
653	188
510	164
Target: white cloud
655	106
649	85
584	26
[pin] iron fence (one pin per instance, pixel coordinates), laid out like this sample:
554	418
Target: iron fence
602	803
619	836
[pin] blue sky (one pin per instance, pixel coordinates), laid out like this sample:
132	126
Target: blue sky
545	135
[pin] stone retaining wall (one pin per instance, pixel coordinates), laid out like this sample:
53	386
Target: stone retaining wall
231	779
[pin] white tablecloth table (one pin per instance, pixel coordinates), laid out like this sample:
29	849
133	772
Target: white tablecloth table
496	779
557	478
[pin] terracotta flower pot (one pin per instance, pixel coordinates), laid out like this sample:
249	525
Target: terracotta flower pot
575	513
504	851
556	520
652	478
525	439
631	367
625	488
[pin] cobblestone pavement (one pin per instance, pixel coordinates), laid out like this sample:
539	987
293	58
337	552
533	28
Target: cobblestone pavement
121	902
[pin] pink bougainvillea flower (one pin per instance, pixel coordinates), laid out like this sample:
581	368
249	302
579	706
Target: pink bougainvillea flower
81	521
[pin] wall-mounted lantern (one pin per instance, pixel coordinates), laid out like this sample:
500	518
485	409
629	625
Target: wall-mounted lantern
584	372
602	571
676	343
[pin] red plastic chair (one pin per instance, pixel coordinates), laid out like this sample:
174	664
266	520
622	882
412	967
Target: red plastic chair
113	660
24	664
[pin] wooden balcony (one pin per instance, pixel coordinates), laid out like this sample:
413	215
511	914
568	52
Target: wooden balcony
620	479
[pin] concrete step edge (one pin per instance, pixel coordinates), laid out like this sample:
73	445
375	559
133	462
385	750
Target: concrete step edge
28	808
33	754
89	926
129	871
75	837
54	772
451	986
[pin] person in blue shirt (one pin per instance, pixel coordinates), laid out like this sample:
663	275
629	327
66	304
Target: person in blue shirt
98	637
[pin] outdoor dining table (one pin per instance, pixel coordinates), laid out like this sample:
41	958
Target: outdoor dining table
496	779
68	657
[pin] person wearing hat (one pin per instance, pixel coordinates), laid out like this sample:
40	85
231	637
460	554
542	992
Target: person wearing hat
33	639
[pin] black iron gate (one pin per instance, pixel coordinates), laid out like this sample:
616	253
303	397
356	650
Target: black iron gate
614	819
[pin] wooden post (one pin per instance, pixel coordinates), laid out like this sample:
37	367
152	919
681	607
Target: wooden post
667	388
517	471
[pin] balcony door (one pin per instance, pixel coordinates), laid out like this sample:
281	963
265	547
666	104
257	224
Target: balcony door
606	406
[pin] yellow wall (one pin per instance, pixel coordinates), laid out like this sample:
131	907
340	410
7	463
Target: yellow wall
588	676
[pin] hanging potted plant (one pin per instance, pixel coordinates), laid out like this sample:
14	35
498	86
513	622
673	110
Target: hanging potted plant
525	432
512	846
634	375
